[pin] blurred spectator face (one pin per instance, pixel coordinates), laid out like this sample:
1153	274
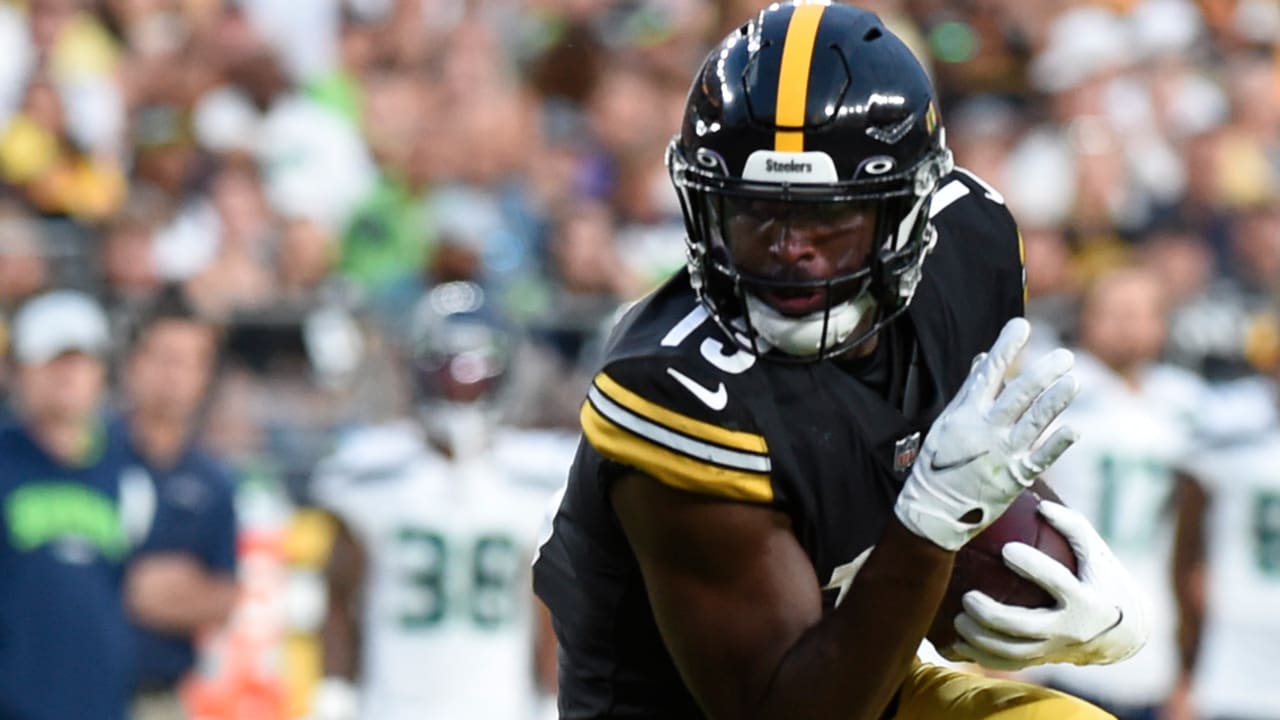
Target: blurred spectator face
583	250
166	156
1123	319
49	18
127	263
1048	262
394	105
43	105
493	131
356	47
232	427
238	197
1183	263
171	367
258	71
1254	95
306	255
151	27
642	186
621	110
23	267
1101	176
474	58
64	390
1201	156
1256	247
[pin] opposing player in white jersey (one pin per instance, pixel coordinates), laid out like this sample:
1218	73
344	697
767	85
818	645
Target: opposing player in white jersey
1230	530
1136	421
431	611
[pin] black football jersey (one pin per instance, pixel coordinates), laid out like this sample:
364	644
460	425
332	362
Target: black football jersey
680	402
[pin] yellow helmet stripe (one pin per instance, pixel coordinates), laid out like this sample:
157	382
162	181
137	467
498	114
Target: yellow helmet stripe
793	77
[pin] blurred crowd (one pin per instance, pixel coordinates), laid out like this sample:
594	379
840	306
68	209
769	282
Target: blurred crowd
306	170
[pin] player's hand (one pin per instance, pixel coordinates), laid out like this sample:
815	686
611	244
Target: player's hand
989	443
1099	617
335	698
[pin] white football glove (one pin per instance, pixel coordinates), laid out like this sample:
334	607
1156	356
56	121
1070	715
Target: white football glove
989	443
335	698
1100	617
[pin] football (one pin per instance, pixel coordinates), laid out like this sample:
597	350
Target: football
979	565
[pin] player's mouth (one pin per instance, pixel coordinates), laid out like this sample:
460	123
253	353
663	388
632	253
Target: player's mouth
797	302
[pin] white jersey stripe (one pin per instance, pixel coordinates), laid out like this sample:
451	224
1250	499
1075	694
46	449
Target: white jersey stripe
687	325
655	433
946	195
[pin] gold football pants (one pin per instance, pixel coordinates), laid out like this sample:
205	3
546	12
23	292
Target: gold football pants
932	692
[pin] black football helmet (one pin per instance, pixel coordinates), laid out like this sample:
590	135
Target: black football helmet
812	108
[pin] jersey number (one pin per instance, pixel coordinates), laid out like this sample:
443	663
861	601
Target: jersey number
1129	483
487	594
1266	533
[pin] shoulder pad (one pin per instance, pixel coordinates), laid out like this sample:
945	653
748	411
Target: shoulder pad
536	458
368	455
678	422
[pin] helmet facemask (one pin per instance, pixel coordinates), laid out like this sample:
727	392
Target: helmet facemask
857	304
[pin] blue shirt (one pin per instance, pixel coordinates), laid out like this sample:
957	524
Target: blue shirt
194	514
65	646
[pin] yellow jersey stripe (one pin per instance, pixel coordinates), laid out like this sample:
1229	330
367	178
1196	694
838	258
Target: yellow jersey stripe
683	424
793	76
668	466
661	435
1022	262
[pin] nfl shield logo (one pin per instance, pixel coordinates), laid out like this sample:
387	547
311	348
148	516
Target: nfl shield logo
905	451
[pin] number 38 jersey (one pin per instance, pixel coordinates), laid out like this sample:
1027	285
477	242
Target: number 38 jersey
825	443
446	614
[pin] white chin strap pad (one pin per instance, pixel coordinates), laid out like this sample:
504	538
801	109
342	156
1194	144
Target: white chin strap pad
803	336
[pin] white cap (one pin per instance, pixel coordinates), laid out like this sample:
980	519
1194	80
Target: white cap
1164	27
58	322
1082	43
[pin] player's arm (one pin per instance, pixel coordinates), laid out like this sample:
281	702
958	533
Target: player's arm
340	633
740	609
545	650
336	697
1188	570
735	596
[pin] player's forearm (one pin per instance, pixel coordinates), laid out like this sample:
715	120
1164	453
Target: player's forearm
340	637
1188	569
189	607
856	658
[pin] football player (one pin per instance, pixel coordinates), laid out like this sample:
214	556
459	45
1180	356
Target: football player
1123	472
756	423
1228	562
430	613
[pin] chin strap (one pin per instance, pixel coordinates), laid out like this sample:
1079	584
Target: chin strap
804	336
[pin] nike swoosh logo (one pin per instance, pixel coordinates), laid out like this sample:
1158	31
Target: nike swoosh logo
715	399
936	466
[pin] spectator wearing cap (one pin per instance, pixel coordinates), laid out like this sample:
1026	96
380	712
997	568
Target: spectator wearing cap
65	645
182	576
